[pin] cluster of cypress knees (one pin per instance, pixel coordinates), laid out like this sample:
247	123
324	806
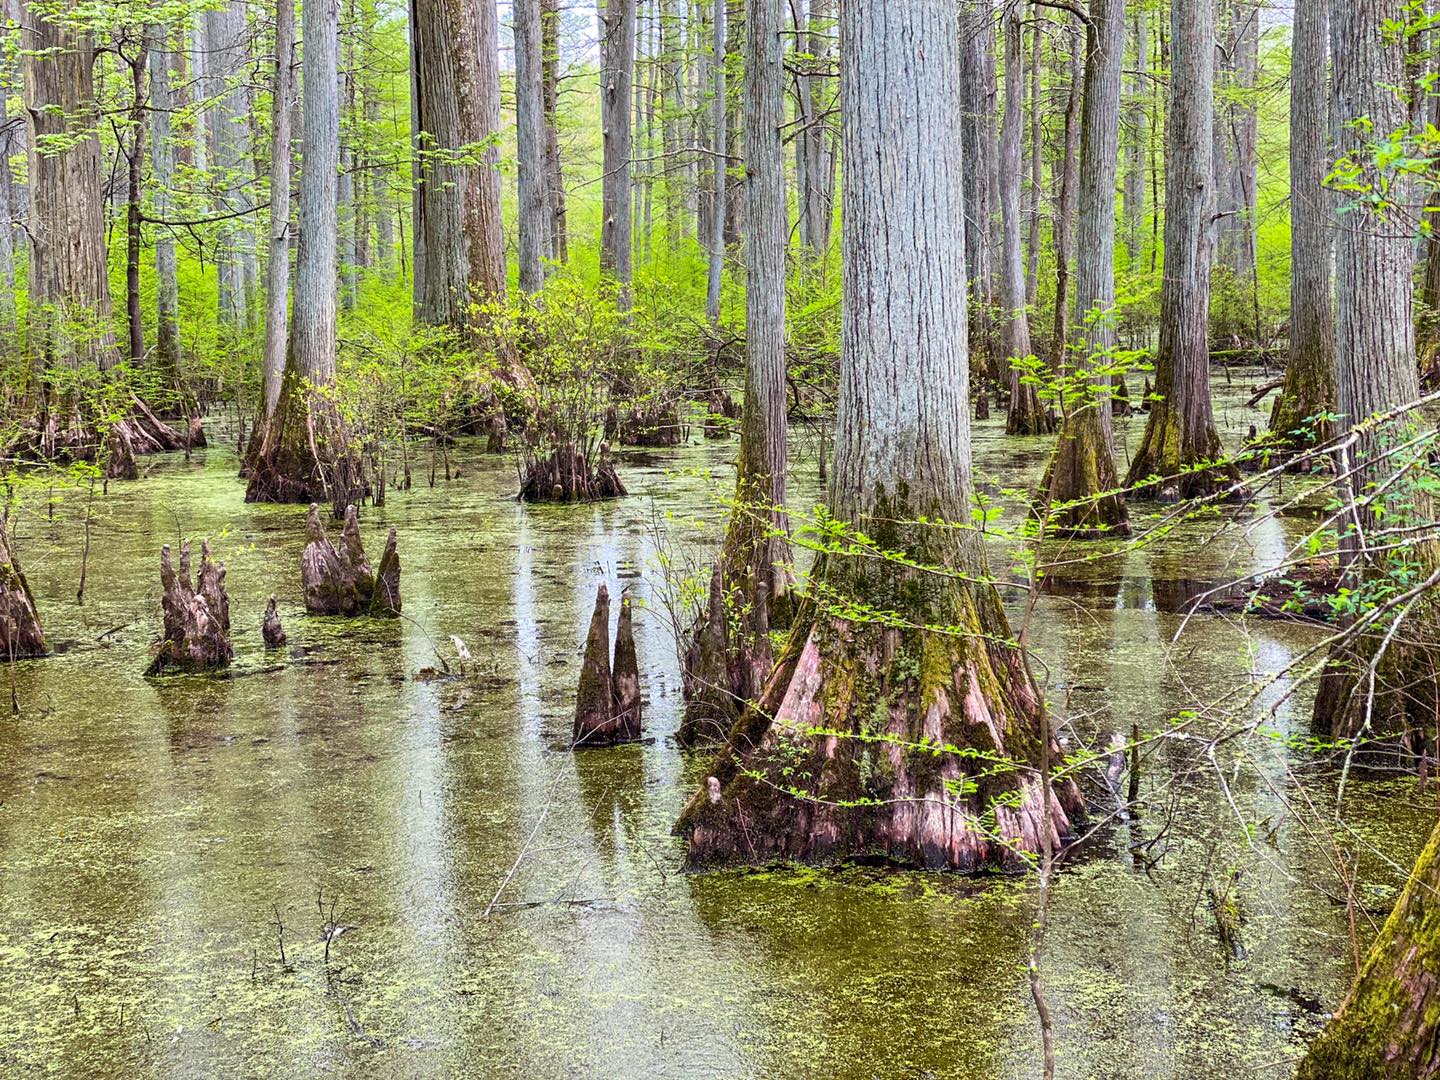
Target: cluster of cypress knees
337	580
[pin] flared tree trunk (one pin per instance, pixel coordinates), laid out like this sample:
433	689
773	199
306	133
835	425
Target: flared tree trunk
534	225
1083	488
834	737
1382	683
754	570
303	457
455	90
1181	450
1309	389
617	63
1388	1028
1027	414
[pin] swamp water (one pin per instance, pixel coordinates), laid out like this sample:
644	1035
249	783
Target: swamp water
155	834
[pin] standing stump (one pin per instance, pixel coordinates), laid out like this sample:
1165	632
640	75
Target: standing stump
197	615
568	476
271	628
340	580
20	632
607	702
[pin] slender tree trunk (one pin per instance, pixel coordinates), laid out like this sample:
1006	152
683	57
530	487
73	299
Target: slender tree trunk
902	453
1027	415
534	230
1309	389
1083	487
1064	231
672	110
455	79
1137	166
550	46
817	197
978	78
1037	167
135	210
162	161
717	172
1181	442
1237	171
277	260
617	62
224	38
303	440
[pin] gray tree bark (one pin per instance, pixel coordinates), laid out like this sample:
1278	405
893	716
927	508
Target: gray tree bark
1309	388
1027	415
225	45
455	107
1083	485
162	163
617	63
716	239
1137	164
1064	231
550	44
277	260
534	226
1180	435
902	450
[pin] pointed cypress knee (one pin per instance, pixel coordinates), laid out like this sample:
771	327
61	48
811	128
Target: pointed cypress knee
594	699
271	628
20	632
386	600
339	580
197	615
627	719
710	706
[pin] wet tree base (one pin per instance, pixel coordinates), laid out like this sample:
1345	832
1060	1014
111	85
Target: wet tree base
567	476
339	580
21	636
910	746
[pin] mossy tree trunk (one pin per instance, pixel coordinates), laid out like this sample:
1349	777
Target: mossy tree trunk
1381	683
754	575
1309	388
303	456
1388	1027
870	728
1082	485
1027	415
1181	446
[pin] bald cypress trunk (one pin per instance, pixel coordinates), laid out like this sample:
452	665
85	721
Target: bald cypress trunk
754	572
225	65
1083	488
1027	415
277	264
716	239
1366	692
303	457
1178	455
902	451
535	235
617	63
550	73
1064	231
1309	388
977	75
455	90
162	162
1137	163
817	197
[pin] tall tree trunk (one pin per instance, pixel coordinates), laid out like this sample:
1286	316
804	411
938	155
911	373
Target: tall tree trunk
672	110
1027	415
716	239
1236	170
224	36
1137	164
617	62
817	197
162	163
978	78
534	220
754	572
69	282
1037	166
1367	691
134	209
550	46
303	440
277	257
1083	488
1309	389
1181	441
455	80
902	455
1064	230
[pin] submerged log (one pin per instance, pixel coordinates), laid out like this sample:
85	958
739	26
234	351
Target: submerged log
339	580
271	628
196	615
20	632
567	476
607	701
